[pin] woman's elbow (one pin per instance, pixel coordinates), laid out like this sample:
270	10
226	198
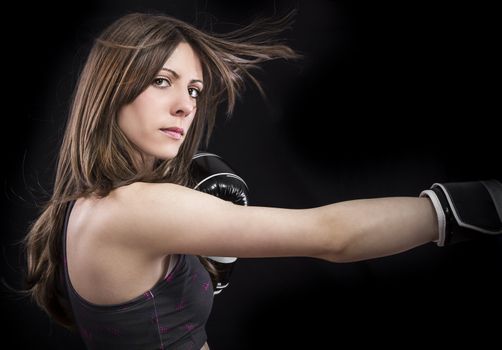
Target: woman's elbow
335	252
334	246
333	239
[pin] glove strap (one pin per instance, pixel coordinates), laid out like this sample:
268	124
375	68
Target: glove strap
466	210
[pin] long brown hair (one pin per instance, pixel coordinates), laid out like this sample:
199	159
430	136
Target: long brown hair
95	157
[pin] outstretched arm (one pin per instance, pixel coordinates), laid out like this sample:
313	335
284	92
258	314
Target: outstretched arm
167	218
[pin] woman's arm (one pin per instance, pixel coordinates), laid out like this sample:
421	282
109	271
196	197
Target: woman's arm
378	227
167	218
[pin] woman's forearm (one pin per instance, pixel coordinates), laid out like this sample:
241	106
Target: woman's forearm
378	227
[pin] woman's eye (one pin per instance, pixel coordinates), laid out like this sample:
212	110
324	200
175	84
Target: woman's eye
161	82
193	92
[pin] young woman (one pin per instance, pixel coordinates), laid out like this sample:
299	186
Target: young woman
118	250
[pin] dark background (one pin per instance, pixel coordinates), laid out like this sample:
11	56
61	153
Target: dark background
389	99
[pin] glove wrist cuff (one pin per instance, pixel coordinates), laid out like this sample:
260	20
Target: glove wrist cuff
439	214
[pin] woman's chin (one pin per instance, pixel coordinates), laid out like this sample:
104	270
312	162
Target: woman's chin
167	155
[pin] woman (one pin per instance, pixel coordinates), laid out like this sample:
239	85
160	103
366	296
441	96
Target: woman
114	251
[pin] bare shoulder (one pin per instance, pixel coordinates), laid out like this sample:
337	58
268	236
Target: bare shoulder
165	218
154	202
154	212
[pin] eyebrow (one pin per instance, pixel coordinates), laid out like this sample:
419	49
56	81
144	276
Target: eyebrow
177	76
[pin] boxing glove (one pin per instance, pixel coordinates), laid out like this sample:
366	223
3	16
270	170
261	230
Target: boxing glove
466	210
214	176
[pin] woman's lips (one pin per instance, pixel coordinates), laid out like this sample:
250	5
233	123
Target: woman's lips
175	133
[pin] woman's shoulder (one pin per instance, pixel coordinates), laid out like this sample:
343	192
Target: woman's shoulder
124	207
155	217
139	195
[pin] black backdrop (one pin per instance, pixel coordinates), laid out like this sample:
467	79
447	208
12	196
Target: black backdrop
388	99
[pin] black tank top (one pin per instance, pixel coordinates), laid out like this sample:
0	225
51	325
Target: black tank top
170	315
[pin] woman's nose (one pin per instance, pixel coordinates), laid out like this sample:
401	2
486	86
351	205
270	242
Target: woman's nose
183	104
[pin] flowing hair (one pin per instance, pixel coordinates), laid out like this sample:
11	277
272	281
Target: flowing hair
95	156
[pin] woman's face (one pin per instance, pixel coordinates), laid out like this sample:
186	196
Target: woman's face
157	121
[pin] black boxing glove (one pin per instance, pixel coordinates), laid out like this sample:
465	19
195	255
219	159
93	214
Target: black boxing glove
466	210
214	176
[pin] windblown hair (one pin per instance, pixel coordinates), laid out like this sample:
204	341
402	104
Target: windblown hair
95	156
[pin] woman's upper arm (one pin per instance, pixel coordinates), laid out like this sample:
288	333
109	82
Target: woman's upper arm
168	218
